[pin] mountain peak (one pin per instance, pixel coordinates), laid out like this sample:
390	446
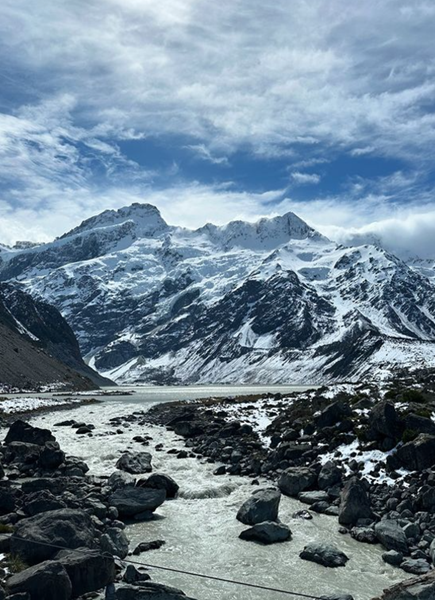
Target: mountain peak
265	234
145	219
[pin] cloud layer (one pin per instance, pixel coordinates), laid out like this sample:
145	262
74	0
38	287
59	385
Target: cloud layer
305	83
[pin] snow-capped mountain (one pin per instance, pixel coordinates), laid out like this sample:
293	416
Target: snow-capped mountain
272	301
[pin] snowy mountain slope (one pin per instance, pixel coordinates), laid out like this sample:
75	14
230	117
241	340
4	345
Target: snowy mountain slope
269	301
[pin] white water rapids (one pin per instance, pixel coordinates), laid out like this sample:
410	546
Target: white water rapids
200	528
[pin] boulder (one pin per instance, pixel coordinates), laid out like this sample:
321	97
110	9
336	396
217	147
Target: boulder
66	528
354	503
416	566
419	424
43	501
268	532
135	463
119	479
329	475
132	575
187	428
393	558
414	456
88	570
147	546
262	506
46	581
148	590
324	554
391	536
51	456
22	453
364	534
332	414
131	501
158	481
20	431
115	542
295	480
384	422
313	497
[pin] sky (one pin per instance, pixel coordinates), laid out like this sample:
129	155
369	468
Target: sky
215	111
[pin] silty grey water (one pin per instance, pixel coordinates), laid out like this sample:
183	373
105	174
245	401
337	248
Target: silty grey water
200	528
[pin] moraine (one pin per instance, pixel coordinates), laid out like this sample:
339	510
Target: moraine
200	528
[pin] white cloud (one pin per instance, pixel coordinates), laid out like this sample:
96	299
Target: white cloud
236	73
305	178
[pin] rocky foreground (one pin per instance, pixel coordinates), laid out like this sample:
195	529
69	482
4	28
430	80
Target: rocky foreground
363	454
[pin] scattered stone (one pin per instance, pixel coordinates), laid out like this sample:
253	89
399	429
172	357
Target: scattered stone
159	481
147	546
418	566
391	536
354	503
295	480
268	532
393	558
132	501
135	463
324	554
88	570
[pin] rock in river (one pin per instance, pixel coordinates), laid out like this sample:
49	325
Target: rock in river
132	501
324	554
262	506
391	536
268	532
135	463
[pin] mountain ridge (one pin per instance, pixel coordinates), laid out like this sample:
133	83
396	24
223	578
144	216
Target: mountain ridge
272	301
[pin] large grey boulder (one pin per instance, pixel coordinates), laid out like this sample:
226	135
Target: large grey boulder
414	456
120	479
66	528
268	532
159	481
46	581
88	570
20	431
262	506
148	590
391	536
135	463
115	542
324	554
415	566
385	422
131	501
51	456
354	503
295	480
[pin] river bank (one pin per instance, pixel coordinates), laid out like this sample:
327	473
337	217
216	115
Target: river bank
200	526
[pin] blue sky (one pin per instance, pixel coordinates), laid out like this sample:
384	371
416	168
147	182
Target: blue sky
217	111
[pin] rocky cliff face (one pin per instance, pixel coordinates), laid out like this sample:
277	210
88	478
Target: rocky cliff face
272	301
37	346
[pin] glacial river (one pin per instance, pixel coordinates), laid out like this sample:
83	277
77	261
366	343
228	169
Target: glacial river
200	528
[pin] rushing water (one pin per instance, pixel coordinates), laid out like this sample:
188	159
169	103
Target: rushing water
200	528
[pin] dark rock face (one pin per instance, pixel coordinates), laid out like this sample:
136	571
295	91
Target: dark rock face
48	580
262	506
53	356
158	481
324	554
135	464
295	480
391	536
88	571
20	431
66	528
131	501
416	455
268	532
51	456
354	503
